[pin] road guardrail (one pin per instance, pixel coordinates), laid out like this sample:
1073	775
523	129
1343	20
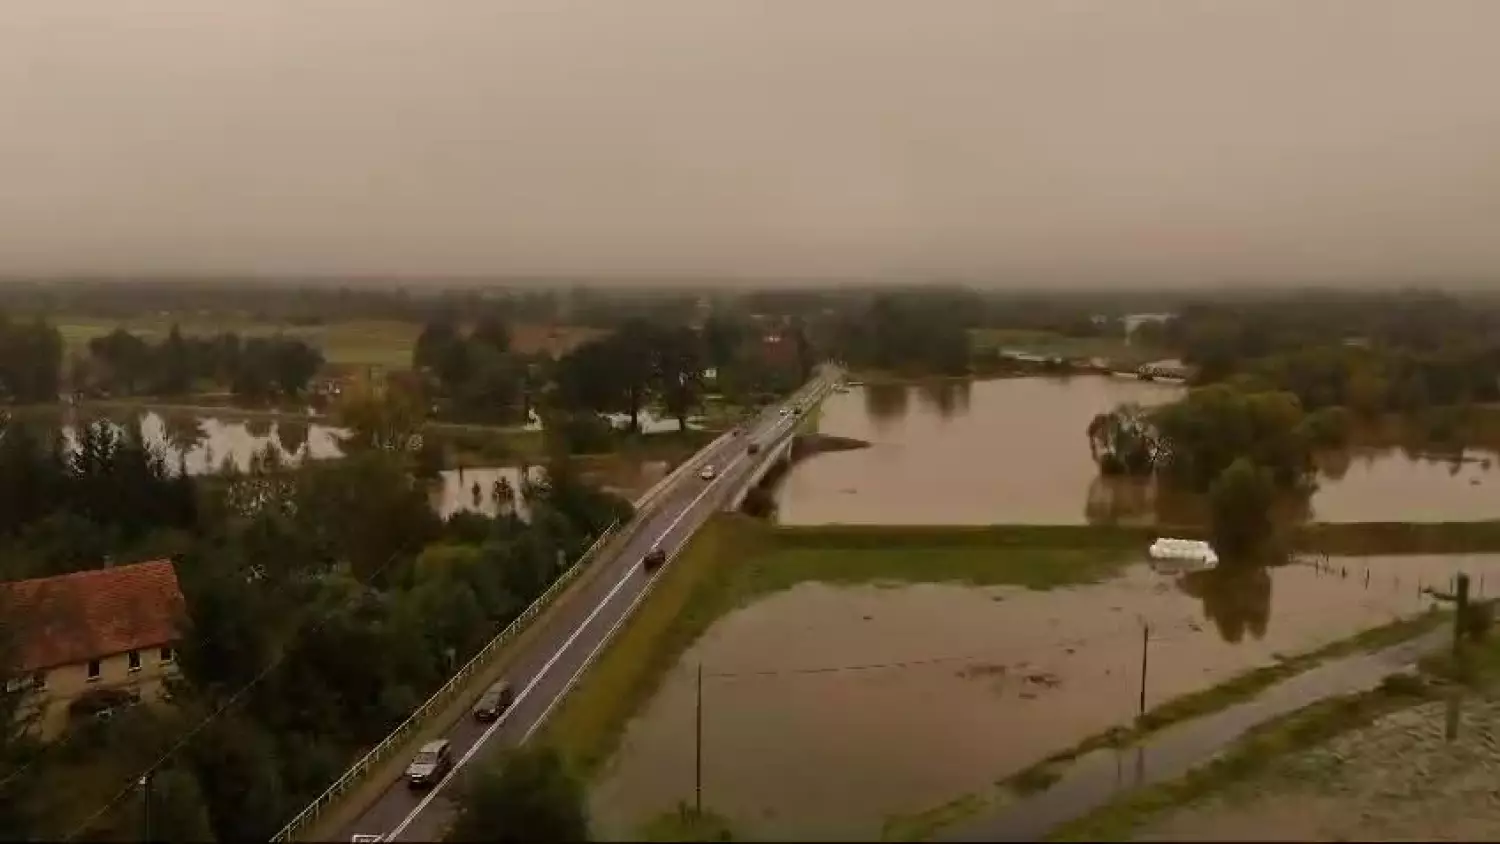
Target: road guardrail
380	752
651	584
442	696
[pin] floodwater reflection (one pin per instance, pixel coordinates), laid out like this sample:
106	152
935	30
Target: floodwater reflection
1235	598
1014	450
206	443
886	404
946	397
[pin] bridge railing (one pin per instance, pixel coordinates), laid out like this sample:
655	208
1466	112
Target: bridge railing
457	683
439	699
442	696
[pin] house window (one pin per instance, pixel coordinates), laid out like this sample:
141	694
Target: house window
93	669
135	660
167	655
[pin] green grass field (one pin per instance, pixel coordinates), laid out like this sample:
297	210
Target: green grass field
382	343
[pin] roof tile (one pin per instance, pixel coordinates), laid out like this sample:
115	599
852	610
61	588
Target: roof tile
86	615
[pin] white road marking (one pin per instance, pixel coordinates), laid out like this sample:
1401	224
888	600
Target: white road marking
485	736
608	636
500	721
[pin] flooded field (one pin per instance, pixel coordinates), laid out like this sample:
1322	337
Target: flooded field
1015	451
208	443
478	489
828	710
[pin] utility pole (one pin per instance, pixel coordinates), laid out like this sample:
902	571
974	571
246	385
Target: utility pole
698	749
1145	652
1462	600
145	783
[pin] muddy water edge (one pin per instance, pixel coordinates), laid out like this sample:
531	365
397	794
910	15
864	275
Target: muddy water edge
1013	451
830	710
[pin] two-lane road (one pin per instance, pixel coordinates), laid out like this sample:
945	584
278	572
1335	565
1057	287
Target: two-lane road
567	638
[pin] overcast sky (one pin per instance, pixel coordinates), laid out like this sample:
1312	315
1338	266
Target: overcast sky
1108	142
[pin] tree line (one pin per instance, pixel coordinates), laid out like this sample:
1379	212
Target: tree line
1280	379
254	369
475	374
296	567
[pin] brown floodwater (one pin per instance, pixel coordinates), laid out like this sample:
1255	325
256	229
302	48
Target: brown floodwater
828	709
208	443
1015	451
473	488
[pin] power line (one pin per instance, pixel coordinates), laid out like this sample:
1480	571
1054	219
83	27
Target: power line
1170	631
182	742
275	663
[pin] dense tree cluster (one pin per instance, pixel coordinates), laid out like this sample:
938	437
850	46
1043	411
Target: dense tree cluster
292	566
1399	353
906	332
640	363
30	361
253	368
70	505
1191	441
1278	379
478	374
526	796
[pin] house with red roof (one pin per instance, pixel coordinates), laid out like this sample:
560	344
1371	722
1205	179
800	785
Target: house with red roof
87	643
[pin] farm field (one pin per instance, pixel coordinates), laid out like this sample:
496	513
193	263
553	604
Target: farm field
384	343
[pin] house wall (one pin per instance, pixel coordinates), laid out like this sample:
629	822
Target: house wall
64	684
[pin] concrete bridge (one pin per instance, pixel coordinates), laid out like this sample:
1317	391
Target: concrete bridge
771	454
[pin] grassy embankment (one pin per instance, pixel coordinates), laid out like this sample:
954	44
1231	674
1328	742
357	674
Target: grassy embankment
345	343
1477	668
686	824
1240	688
735	559
384	343
924	825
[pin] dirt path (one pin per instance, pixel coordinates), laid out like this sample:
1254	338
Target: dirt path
1098	778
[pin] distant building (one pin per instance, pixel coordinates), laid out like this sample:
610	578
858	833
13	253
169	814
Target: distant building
92	641
777	350
1171	368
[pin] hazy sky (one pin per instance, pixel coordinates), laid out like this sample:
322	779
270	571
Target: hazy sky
1116	141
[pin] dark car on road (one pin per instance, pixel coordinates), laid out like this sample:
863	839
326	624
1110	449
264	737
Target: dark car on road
430	764
653	559
495	701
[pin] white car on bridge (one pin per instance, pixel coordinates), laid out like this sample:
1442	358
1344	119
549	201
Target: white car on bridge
708	472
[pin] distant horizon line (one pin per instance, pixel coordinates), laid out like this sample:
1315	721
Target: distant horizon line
439	282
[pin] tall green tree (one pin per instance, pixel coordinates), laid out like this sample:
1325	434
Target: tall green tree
679	371
526	796
1240	501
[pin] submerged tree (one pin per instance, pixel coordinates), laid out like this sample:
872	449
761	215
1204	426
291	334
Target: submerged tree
1124	441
